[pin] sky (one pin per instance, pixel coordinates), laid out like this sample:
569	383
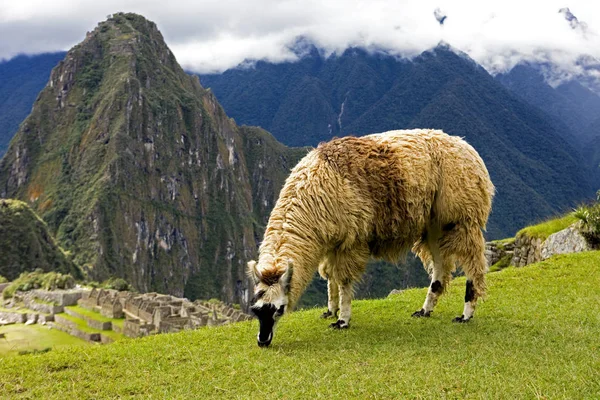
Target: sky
213	35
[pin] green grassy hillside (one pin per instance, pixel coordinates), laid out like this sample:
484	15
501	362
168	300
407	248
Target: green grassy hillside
31	338
536	336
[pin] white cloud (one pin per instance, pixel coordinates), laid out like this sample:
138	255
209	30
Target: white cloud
213	35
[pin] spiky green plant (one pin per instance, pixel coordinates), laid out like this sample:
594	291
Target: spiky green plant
589	217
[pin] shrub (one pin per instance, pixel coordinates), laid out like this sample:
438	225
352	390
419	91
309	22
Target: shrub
119	284
589	227
39	280
3	279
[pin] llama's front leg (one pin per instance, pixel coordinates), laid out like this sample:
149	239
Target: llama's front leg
333	296
343	322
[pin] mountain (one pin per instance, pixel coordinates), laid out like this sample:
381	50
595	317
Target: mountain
138	171
570	103
25	243
591	151
305	102
21	79
587	101
536	171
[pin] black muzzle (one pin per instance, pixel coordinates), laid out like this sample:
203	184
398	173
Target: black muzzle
266	319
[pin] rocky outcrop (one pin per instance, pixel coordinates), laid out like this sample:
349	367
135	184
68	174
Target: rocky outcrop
527	250
568	240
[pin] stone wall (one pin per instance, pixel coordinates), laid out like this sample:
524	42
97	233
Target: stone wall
495	251
63	324
158	313
92	323
528	250
33	302
60	297
8	317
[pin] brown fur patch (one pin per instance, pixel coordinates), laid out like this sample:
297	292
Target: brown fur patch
270	276
374	168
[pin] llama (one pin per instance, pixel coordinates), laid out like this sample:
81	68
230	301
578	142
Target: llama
377	196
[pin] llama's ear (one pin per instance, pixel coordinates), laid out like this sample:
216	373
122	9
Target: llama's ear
287	277
253	272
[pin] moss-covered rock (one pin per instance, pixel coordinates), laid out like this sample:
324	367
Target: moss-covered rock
26	244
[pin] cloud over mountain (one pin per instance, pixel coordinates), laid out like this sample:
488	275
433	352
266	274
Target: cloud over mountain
211	36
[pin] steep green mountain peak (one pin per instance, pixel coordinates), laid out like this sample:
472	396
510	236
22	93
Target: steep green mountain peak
138	171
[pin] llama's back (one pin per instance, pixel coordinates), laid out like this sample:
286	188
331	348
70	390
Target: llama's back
464	190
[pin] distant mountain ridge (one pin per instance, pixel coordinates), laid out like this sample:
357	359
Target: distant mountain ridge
570	103
21	79
531	156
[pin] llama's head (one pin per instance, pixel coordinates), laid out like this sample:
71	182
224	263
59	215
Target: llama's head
270	301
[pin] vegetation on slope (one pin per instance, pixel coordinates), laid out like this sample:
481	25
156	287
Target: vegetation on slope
548	227
39	280
534	337
26	244
590	222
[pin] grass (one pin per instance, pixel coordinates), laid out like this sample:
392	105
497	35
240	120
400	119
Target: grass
20	337
547	228
95	315
20	310
536	336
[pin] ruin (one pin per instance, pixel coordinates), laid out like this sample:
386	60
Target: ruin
151	313
141	314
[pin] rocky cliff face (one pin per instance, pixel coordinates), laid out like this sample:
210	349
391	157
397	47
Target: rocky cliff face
138	171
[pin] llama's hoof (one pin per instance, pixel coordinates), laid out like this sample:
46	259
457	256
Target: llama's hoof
421	313
340	324
328	314
461	319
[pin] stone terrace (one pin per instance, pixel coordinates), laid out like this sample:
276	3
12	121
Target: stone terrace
158	313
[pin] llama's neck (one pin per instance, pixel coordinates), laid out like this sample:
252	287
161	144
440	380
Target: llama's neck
286	245
291	233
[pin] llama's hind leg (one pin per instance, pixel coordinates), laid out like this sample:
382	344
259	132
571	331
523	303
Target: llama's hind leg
333	299
468	247
441	274
438	267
